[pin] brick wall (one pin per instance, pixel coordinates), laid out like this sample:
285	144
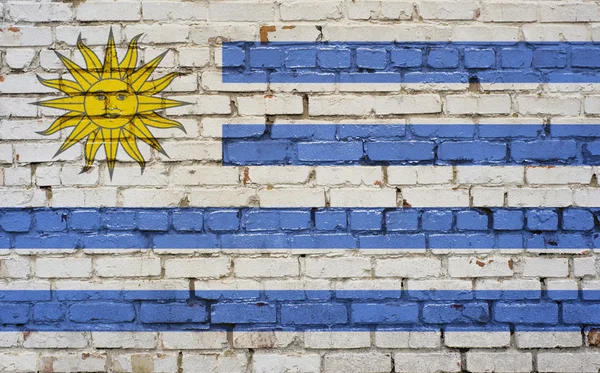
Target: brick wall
361	186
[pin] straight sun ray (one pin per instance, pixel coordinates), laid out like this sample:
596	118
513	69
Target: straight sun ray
110	139
140	131
65	121
140	76
80	132
75	103
148	103
110	69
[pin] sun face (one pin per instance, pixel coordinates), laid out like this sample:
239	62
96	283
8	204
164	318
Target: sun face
110	103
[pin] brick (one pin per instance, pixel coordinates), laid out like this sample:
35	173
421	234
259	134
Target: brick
22	361
266	267
101	312
568	361
548	338
197	267
408	267
314	314
128	267
124	11
443	58
526	313
389	313
310	11
474	267
461	313
63	267
371	58
173	313
414	340
427	362
478	104
357	362
499	362
337	267
172	10
546	267
542	220
273	363
225	220
215	363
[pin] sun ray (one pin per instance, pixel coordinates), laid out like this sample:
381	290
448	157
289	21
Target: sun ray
110	138
80	132
148	103
75	103
156	121
127	65
140	131
140	76
92	62
93	143
110	69
67	120
83	77
69	87
152	87
127	140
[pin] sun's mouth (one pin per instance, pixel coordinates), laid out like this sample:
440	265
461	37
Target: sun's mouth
111	115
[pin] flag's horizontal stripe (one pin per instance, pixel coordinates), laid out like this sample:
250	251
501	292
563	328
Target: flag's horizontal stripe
297	310
410	62
401	144
329	228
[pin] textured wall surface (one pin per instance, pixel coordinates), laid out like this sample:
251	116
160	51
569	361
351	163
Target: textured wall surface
361	186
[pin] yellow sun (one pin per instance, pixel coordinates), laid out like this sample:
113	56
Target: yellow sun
110	103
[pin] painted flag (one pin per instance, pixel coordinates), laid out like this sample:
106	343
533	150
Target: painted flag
185	190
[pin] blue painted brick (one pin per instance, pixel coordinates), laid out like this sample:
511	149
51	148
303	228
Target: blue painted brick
114	241
328	241
334	58
550	57
333	151
241	152
173	313
527	151
443	58
476	151
510	241
16	221
371	58
119	220
301	57
222	221
153	220
313	314
585	57
430	130
243	313
457	313
51	221
393	241
303	131
558	241
402	220
461	241
471	220
265	57
366	220
185	241
581	313
386	313
255	241
4	241
49	312
104	312
542	220
261	220
233	56
512	131
526	313
479	58
188	221
388	131
407	57
84	220
12	313
510	220
577	220
235	131
55	241
516	58
330	220
295	220
436	220
400	150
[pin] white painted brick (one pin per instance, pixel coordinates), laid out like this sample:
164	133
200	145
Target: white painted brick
20	197
431	362
128	267
584	267
241	11
363	197
273	175
266	267
18	361
124	340
206	104
223	197
75	362
213	81
47	175
490	175
546	33
547	339
222	363
539	197
22	36
191	151
166	33
135	197
194	340
440	10
19	58
413	340
343	175
263	339
575	12
72	175
581	362
210	33
546	267
174	10
47	340
43	152
39	12
472	32
559	175
194	57
17	176
80	197
154	175
17	107
10	339
435	197
407	104
509	12
408	267
340	105
480	267
418	285
586	197
478	104
292	197
15	267
6	153
269	104
338	267
164	363
310	11
63	267
387	10
214	267
363	362
50	61
205	175
109	11
91	35
276	363
474	339
590	104
506	362
532	286
410	175
335	340
562	285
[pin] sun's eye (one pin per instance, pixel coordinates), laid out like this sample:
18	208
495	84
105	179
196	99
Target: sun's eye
121	97
100	97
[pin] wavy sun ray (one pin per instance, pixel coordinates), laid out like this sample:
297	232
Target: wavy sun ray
111	103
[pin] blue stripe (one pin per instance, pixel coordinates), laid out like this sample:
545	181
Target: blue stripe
132	310
411	62
348	228
430	144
